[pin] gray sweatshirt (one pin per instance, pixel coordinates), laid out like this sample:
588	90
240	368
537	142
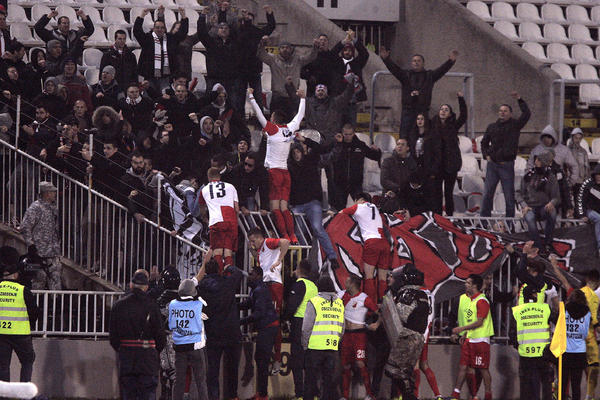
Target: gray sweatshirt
309	318
562	154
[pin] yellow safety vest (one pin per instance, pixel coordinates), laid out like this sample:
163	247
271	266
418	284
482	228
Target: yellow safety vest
533	330
309	292
14	319
463	305
329	322
541	296
470	315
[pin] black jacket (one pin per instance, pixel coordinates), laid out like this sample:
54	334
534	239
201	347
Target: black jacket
588	197
356	67
501	138
223	58
415	200
143	202
178	114
67	42
136	316
448	133
251	35
323	71
247	184
107	174
223	323
125	65
431	158
146	41
348	162
261	303
139	115
305	174
395	171
111	94
421	81
294	300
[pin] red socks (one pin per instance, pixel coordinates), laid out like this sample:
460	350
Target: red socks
488	396
346	378
370	287
219	260
381	288
280	223
364	373
432	381
289	225
228	260
472	383
417	378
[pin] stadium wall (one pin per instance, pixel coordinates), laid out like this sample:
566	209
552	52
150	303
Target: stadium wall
80	368
435	27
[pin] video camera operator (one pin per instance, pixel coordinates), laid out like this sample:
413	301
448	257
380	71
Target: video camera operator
18	312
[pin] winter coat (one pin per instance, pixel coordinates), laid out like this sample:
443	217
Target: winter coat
501	138
325	115
562	154
431	158
361	56
422	81
305	174
251	36
111	94
70	40
395	171
538	188
583	162
178	114
223	323
323	71
448	133
247	184
222	57
133	317
77	88
139	114
263	311
146	41
348	162
106	132
281	69
124	63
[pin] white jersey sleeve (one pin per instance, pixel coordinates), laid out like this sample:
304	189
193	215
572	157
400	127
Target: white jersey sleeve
369	221
220	198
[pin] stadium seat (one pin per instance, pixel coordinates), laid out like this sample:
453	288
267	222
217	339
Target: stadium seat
198	62
556	33
136	12
117	3
472	184
166	3
480	9
192	16
520	165
114	15
188	4
584	144
92	76
507	29
565	71
110	35
94	15
530	32
98	38
478	140
596	15
589	93
503	11
385	142
41	9
596	146
558	52
528	12
16	13
136	53
92	57
536	50
583	54
140	3
170	17
266	78
499	204
474	202
469	165
68	11
465	144
578	14
371	176
553	13
21	32
585	71
580	34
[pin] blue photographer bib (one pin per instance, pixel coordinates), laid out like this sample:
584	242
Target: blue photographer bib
185	321
577	331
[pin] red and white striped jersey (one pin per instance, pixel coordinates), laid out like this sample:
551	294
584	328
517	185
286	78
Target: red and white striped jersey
220	198
357	307
368	218
268	254
279	140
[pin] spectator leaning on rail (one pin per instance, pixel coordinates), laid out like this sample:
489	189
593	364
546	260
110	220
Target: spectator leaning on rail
588	203
499	146
18	312
417	85
41	232
67	37
137	334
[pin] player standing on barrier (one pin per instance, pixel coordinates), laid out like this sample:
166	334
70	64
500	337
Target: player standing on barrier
406	308
18	312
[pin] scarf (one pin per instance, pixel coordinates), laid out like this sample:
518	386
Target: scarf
347	64
133	102
161	56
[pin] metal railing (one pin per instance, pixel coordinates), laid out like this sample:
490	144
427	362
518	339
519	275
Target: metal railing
468	83
97	233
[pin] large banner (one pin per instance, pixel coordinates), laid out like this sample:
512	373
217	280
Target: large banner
445	252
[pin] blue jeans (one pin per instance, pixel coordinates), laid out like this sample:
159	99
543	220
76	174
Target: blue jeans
539	214
314	213
594	217
505	173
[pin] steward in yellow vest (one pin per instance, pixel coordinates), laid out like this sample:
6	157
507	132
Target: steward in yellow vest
533	336
295	306
18	311
322	331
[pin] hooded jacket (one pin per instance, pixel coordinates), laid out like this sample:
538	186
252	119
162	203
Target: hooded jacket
538	187
111	94
501	138
582	159
562	154
588	197
251	35
355	65
325	115
110	131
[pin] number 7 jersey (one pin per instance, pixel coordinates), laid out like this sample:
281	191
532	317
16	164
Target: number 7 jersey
220	198
368	218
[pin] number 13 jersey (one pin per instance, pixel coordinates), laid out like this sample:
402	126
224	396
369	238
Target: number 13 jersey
220	198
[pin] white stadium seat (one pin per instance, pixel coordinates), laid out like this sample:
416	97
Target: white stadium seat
465	144
41	9
503	11
596	15
93	14
16	13
117	3
170	17
556	33
558	52
140	3
565	71
536	50
480	9
166	3
136	12
528	12
472	184
198	62
192	15
21	32
385	142
553	13
580	34
136	53
596	146
68	11
114	15
98	38
585	71
92	57
92	76
530	32
507	29
520	165
589	93
583	54
578	14
469	165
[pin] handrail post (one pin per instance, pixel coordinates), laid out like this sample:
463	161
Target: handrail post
561	123
471	106
373	95
89	209
18	122
159	178
45	319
